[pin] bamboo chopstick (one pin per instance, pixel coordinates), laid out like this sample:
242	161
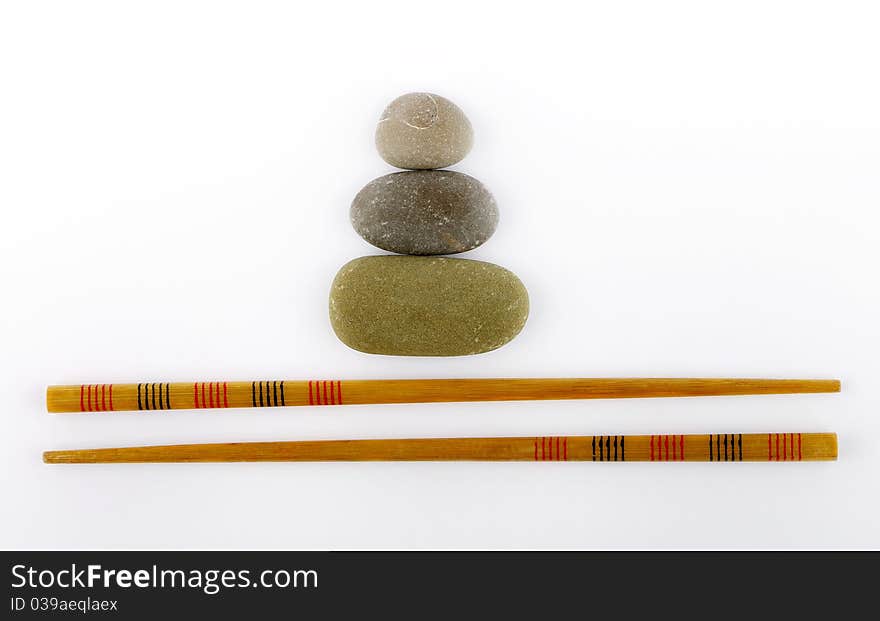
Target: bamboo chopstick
198	395
705	447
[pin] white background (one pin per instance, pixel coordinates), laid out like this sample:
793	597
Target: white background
686	188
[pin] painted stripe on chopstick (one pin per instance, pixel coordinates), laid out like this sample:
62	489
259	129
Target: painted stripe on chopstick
96	398
784	449
553	448
324	392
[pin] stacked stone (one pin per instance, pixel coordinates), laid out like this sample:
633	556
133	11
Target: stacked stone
424	304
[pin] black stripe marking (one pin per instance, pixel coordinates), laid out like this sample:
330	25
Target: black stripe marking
153	393
740	447
615	448
725	447
268	396
168	396
140	405
718	446
282	392
608	447
254	394
622	453
160	396
261	394
594	448
275	392
711	456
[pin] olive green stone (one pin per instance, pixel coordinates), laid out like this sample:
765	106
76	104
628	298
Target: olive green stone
423	130
426	306
425	212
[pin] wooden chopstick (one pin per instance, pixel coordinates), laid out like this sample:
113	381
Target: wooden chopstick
199	395
778	447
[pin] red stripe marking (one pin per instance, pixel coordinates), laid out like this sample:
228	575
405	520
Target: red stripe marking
557	448
325	393
536	449
800	454
673	448
565	448
667	448
110	390
217	388
82	394
311	402
784	447
769	451
652	448
332	396
543	454
792	447
203	394
339	390
681	448
196	394
103	398
777	447
211	394
225	400
89	396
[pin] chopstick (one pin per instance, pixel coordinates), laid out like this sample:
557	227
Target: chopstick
765	447
272	393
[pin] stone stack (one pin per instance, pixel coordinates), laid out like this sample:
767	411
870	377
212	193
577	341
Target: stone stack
424	304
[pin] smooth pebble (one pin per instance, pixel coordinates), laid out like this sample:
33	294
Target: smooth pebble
423	131
425	212
426	306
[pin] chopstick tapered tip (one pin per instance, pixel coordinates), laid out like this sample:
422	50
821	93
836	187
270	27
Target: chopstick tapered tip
53	457
65	457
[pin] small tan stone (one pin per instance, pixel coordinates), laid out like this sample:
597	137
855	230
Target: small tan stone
423	131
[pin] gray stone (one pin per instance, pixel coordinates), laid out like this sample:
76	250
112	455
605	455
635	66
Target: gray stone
426	306
422	131
425	212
